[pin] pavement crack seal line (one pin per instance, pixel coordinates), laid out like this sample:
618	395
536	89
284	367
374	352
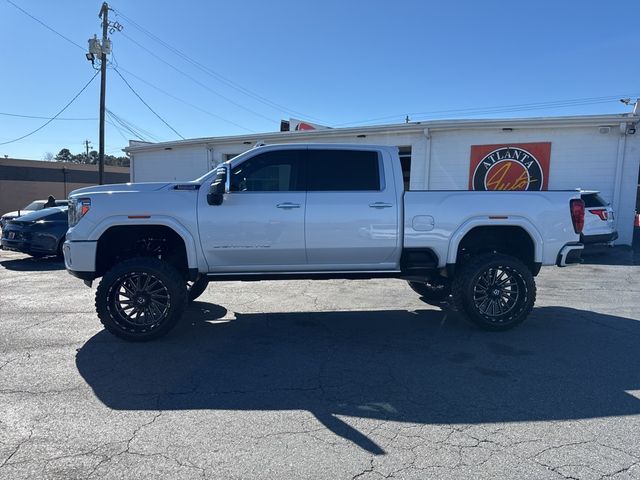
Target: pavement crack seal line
557	468
8	362
622	470
365	471
128	446
15	450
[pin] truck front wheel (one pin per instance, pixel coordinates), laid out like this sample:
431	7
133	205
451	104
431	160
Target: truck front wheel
141	299
495	291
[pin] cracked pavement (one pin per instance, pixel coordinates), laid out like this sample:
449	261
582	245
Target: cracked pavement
323	379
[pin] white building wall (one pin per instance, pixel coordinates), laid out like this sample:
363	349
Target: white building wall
178	164
581	157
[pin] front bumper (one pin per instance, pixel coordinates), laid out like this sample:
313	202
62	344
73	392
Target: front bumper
27	246
80	259
570	254
14	245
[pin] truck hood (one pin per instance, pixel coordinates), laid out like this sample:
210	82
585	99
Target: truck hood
120	187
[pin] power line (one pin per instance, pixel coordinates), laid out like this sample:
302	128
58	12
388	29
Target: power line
47	118
184	101
146	104
216	75
46	26
55	116
128	129
195	80
132	128
117	128
501	108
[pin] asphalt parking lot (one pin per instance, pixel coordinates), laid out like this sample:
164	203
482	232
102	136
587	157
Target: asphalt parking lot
323	380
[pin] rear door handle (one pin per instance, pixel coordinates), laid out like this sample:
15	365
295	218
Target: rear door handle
288	205
380	205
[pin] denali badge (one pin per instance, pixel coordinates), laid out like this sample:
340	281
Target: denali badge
509	167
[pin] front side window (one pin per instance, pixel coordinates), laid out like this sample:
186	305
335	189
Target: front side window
278	171
343	170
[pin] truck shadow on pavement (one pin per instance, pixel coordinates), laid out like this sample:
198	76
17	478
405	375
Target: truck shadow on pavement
426	367
33	264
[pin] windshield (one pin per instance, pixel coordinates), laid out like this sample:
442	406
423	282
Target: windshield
37	205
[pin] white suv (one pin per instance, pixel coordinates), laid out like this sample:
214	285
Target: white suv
598	219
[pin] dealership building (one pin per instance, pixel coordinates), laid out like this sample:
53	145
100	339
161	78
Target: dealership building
595	152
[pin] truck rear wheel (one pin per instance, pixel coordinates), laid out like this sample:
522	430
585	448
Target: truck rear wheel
141	299
432	291
496	292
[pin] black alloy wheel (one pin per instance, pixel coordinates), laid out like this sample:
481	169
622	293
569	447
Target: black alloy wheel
496	291
140	300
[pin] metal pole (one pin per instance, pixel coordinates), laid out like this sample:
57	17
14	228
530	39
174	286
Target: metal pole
104	13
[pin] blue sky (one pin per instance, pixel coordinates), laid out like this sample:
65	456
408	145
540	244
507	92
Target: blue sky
334	62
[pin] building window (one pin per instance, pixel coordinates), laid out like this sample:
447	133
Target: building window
405	162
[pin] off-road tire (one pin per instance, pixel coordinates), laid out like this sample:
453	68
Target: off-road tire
467	291
112	293
197	288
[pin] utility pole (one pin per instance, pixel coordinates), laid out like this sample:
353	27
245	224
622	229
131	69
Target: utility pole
104	14
101	50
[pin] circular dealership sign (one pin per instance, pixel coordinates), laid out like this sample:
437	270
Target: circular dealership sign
508	168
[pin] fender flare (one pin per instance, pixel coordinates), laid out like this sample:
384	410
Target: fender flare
163	220
511	221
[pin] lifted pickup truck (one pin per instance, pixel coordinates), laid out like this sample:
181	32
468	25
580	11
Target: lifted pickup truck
313	212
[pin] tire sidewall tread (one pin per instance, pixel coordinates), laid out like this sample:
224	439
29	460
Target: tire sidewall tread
170	277
462	290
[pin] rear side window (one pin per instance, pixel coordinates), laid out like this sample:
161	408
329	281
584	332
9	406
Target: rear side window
343	170
592	200
277	171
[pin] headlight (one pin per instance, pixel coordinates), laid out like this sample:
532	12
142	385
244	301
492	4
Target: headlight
78	208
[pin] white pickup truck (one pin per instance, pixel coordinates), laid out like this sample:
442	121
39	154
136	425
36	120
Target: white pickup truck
308	211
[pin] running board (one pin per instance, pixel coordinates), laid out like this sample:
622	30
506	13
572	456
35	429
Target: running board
256	277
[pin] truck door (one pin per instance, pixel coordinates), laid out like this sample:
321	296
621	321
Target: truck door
260	223
352	210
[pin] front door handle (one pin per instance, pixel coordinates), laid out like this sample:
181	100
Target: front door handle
288	205
380	205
